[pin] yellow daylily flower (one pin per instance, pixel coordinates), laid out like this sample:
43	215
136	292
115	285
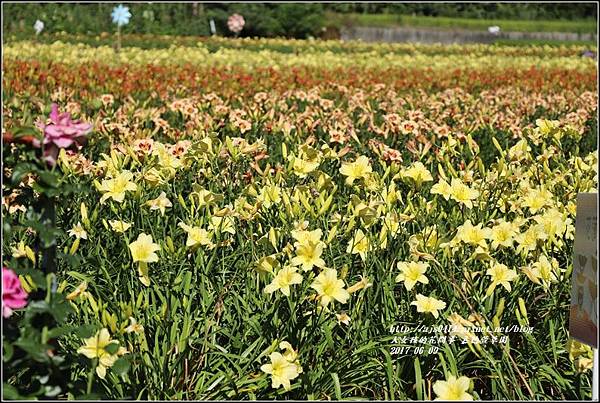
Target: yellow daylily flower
116	187
462	193
119	226
428	305
94	347
282	281
281	370
411	273
160	203
142	251
356	170
330	288
196	236
308	255
359	244
78	232
418	173
474	235
500	274
442	188
453	389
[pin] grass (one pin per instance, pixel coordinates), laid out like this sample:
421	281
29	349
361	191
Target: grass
391	20
542	42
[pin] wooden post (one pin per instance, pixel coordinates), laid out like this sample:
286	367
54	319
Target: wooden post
118	38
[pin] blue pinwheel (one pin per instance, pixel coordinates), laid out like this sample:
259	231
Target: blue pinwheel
121	15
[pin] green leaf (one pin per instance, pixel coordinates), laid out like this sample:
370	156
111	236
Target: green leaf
336	384
49	178
20	170
8	351
89	396
85	331
9	392
60	331
112	348
418	379
34	348
59	308
121	366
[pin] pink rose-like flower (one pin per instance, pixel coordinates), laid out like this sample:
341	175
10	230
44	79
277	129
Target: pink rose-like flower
63	132
235	23
13	295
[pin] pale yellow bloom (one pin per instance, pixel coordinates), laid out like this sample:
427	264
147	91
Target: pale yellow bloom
160	203
553	223
474	235
267	264
282	281
116	187
527	241
462	193
330	288
428	305
453	389
222	224
22	250
308	255
537	199
142	250
289	353
281	370
80	290
544	270
418	173
359	244
196	236
343	318
502	234
119	226
442	188
269	195
581	354
78	232
134	326
94	347
500	274
356	170
302	167
303	236
411	273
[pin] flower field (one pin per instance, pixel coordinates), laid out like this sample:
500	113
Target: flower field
277	219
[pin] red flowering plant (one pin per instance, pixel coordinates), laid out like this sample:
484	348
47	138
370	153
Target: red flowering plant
34	311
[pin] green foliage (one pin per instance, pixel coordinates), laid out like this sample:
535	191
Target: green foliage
477	24
295	20
524	11
269	20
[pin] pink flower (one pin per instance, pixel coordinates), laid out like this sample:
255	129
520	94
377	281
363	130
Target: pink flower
235	23
61	133
13	295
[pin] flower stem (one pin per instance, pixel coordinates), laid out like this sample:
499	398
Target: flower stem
91	378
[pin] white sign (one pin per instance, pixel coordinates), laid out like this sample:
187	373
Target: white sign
583	319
